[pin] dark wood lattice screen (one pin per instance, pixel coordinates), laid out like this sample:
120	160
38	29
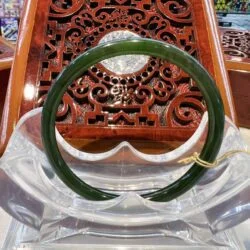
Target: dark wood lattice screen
134	98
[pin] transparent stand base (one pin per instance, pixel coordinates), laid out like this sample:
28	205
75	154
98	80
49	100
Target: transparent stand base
51	216
23	237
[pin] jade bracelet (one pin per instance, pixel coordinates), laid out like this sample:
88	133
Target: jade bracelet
134	47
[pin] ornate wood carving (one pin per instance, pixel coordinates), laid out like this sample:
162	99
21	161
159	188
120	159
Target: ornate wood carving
236	44
158	95
156	101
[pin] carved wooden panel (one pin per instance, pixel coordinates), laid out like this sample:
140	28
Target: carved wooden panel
149	99
155	95
236	44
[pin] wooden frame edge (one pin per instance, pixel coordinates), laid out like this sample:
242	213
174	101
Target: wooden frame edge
223	82
6	63
237	66
13	98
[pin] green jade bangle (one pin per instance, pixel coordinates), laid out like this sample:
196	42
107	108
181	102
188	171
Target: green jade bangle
134	47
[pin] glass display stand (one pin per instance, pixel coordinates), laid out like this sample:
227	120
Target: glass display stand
19	238
203	218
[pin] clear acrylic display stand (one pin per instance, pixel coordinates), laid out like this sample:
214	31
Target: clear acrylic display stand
48	215
235	238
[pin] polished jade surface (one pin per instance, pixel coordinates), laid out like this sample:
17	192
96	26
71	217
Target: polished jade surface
136	47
